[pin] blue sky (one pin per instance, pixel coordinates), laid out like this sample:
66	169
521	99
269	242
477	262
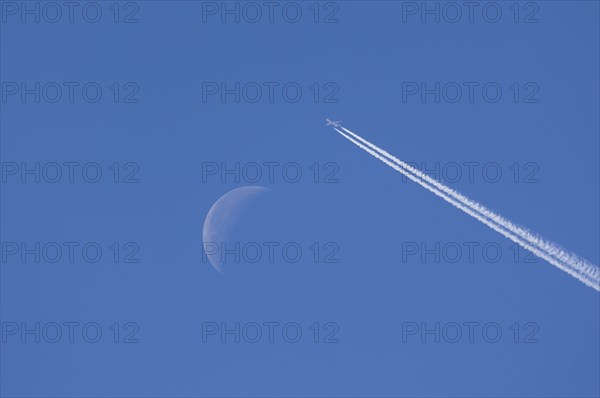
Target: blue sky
161	124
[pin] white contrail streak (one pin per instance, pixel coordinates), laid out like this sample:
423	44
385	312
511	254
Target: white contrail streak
554	250
588	274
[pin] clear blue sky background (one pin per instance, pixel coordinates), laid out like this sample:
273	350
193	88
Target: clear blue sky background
369	213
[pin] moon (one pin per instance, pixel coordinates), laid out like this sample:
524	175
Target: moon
222	218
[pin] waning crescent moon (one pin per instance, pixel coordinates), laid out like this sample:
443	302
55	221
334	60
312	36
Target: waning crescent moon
222	217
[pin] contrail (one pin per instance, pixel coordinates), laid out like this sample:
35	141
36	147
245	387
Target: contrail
569	258
587	273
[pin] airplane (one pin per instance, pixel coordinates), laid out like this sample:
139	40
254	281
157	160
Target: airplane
333	123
